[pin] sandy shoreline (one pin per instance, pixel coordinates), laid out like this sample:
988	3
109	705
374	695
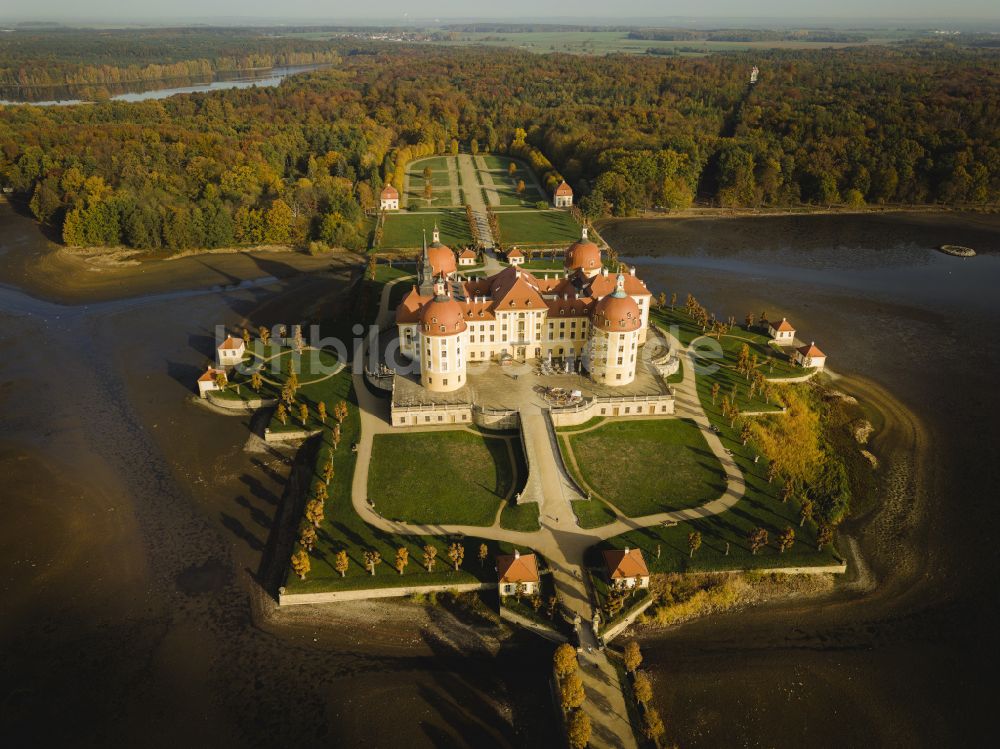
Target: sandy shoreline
805	210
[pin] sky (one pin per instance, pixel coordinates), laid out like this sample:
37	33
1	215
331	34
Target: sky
340	10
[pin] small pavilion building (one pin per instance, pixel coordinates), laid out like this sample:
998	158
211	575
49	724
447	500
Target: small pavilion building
388	199
809	356
467	257
230	352
782	332
209	380
515	257
517	569
626	568
563	196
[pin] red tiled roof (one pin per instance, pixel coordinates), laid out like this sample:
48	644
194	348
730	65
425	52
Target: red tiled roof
209	375
515	253
513	289
467	253
231	343
784	326
625	563
617	314
517	569
389	193
408	310
478	310
571	307
601	285
811	351
564	189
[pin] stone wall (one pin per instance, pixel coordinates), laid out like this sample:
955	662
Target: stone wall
252	404
537	627
291	435
295	599
432	414
495	419
637	406
620	626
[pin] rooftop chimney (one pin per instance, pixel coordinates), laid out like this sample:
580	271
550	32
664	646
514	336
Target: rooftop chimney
517	554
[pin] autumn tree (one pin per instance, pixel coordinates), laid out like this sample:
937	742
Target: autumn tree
578	729
805	511
256	381
307	537
430	556
571	694
300	563
402	559
632	656
564	660
372	559
757	538
321	408
715	391
456	553
694	542
282	413
484	552
642	688
341	562
785	539
303	413
221	380
824	536
264	334
652	725
315	512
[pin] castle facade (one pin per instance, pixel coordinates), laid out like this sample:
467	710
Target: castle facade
588	316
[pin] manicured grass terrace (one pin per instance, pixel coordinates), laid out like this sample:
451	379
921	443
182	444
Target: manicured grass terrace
449	477
643	467
537	227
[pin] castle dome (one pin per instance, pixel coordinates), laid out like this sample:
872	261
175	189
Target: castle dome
442	316
617	312
442	259
584	255
440	256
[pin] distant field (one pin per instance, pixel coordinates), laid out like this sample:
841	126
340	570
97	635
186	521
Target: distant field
603	42
404	230
533	227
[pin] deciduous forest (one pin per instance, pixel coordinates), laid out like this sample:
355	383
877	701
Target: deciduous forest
305	161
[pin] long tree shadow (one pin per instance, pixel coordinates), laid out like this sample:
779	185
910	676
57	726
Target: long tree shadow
240	531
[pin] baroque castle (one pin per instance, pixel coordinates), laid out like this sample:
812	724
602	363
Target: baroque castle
587	317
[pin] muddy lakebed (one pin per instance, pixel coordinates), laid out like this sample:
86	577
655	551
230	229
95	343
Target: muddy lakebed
137	523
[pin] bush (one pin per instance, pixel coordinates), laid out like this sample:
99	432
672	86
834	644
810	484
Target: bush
541	205
318	247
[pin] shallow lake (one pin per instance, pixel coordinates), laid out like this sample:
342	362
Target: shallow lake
145	90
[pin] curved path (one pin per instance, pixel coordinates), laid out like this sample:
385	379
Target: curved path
560	539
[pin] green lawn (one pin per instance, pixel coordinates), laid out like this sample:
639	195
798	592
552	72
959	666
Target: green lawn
436	163
343	529
592	513
535	227
453	477
545	264
404	230
647	466
760	507
522	517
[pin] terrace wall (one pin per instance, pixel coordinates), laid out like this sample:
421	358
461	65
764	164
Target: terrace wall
333	596
636	406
